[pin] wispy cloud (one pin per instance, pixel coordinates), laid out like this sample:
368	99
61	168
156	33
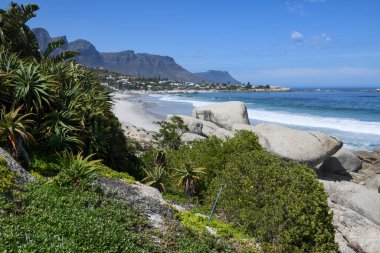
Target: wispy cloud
322	38
296	36
298	6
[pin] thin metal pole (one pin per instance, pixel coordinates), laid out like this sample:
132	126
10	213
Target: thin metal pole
216	202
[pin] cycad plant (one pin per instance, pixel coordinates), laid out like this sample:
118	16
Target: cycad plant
186	175
155	177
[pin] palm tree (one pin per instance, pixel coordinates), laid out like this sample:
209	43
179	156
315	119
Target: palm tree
187	175
14	128
155	177
32	88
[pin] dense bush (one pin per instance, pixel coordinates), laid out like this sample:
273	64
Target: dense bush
49	100
280	203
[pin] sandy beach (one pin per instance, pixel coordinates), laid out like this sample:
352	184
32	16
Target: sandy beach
133	112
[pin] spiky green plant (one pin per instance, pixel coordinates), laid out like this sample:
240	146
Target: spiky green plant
155	177
14	32
14	126
32	88
78	171
186	175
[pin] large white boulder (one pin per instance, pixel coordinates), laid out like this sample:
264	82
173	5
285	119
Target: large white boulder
190	137
204	128
354	232
301	146
223	114
342	162
358	198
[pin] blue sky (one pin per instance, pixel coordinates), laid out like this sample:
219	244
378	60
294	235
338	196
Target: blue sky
291	42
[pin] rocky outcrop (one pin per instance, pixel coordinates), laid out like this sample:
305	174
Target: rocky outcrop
342	162
371	161
204	128
188	138
143	137
22	176
301	146
354	232
358	198
145	198
223	114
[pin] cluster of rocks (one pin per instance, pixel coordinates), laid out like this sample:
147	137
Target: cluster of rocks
144	138
352	180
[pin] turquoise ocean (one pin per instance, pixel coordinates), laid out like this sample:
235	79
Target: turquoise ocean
351	115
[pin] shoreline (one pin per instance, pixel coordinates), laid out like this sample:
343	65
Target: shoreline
136	113
142	110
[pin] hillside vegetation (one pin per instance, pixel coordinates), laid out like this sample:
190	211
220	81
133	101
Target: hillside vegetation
57	121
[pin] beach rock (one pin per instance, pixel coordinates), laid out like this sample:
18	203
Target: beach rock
145	198
22	176
358	198
371	161
190	137
354	232
301	146
223	114
204	128
143	137
373	182
195	125
342	162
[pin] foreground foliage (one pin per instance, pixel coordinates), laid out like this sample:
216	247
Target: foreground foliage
280	203
57	103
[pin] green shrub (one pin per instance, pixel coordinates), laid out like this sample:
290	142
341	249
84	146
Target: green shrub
110	173
7	178
198	223
78	171
169	135
46	165
280	203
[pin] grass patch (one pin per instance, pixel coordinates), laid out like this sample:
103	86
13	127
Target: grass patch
110	173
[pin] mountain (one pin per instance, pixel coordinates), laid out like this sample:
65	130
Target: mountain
131	63
217	76
147	65
88	55
43	38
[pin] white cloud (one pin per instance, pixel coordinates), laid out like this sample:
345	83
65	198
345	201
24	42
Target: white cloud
296	36
322	38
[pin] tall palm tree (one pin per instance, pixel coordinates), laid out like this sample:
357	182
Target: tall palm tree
187	175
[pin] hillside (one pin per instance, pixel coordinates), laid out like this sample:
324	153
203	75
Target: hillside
134	64
217	76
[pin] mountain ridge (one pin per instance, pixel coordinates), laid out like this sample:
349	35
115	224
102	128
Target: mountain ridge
131	63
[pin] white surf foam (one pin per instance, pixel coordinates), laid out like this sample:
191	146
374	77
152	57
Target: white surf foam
341	124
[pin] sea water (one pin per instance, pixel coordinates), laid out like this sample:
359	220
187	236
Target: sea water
353	116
